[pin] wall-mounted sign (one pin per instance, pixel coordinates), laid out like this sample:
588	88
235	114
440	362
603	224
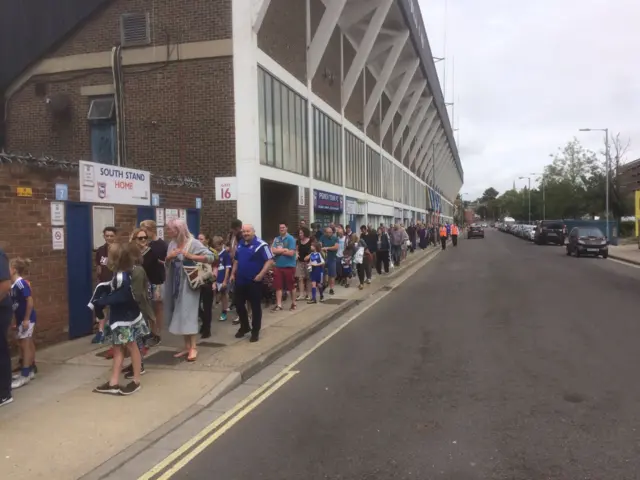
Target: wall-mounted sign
160	232
101	183
198	203
57	214
57	238
327	202
62	192
24	192
182	214
301	196
155	199
226	188
160	217
171	214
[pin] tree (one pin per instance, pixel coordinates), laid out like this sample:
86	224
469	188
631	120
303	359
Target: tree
489	194
621	202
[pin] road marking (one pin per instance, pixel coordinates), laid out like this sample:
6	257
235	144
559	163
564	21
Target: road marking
204	439
193	447
622	262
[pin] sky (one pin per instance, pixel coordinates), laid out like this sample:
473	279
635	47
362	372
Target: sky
526	75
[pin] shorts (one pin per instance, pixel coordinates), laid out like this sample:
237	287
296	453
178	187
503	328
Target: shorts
156	293
302	270
25	333
220	289
331	267
284	278
316	276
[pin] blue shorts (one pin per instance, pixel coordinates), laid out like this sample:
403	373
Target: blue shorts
316	276
331	267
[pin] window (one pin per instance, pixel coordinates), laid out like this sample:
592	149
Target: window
283	125
375	177
327	146
102	130
387	179
355	162
135	29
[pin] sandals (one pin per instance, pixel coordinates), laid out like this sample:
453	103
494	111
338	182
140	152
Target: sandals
277	308
293	308
181	354
193	354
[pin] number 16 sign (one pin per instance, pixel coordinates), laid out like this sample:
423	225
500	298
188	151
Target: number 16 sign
226	188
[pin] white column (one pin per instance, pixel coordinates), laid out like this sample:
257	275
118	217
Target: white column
245	88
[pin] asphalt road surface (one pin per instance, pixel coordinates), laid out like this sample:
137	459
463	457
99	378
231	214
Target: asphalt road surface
499	360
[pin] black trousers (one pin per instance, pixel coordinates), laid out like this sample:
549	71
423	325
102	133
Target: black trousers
382	258
6	314
454	239
443	240
360	270
206	307
252	293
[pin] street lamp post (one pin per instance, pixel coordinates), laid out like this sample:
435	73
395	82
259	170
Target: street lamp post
606	160
528	178
544	200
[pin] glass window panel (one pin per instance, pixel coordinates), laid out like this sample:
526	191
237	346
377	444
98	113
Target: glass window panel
262	116
284	102
277	123
268	90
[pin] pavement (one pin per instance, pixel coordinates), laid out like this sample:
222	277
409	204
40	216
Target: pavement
499	360
626	253
71	432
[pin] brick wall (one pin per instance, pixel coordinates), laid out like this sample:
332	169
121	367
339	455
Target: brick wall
179	120
171	21
22	236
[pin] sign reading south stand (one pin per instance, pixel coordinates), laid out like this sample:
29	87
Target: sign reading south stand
100	183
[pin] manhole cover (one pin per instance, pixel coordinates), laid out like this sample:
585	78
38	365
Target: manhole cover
334	301
211	344
163	357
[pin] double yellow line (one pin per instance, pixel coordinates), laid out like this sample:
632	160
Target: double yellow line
187	452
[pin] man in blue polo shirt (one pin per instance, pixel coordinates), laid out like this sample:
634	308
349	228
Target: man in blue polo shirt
252	260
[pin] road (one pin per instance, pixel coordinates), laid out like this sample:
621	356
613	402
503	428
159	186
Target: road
500	360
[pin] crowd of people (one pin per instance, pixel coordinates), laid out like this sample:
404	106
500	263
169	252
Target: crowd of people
145	281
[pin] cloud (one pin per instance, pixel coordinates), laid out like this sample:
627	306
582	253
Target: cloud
525	76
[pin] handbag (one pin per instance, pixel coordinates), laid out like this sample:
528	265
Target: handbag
198	273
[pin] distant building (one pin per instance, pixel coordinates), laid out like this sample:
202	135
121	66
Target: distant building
629	176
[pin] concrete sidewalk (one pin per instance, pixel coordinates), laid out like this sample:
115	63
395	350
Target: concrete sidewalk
72	432
626	253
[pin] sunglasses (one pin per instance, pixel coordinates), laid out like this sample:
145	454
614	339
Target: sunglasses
142	238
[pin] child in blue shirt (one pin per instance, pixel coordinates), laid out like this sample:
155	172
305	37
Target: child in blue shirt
222	279
316	264
25	316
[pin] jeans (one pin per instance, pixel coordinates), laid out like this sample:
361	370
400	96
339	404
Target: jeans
252	293
443	240
367	263
6	314
396	254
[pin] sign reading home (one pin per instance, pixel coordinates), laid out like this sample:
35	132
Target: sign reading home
327	202
100	183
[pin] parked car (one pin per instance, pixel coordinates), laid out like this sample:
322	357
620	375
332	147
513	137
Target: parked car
550	231
587	241
475	231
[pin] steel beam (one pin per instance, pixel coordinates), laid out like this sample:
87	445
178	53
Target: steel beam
424	153
407	115
416	123
422	135
355	11
363	50
259	9
401	91
322	36
388	66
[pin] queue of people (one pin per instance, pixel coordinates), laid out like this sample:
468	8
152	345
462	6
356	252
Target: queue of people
144	282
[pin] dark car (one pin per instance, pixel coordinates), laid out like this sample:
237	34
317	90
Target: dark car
549	231
587	241
475	231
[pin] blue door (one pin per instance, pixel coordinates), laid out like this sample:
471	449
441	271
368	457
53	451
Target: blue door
146	213
79	268
193	221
